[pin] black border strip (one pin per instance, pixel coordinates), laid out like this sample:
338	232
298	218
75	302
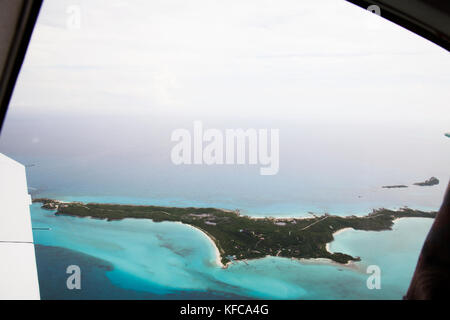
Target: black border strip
16	55
407	22
291	309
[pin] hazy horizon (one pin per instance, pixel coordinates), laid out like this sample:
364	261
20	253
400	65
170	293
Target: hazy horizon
357	107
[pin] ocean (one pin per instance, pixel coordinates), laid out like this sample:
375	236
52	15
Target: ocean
332	169
325	167
140	259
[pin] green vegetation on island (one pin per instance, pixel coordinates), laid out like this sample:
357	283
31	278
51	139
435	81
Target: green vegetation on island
240	237
430	182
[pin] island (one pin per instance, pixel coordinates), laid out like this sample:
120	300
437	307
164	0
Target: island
395	186
430	182
239	237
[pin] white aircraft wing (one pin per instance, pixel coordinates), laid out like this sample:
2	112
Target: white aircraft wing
18	272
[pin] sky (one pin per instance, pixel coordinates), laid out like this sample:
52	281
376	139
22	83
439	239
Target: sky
306	59
359	102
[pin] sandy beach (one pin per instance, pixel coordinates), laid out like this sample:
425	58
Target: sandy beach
349	265
398	219
324	261
218	260
327	246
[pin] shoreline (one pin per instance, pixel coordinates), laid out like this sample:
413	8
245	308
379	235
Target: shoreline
352	265
220	253
315	261
218	260
324	261
327	246
260	216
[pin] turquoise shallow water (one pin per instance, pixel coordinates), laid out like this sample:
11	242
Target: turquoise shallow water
395	252
168	260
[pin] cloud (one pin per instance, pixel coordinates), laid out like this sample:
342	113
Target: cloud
308	58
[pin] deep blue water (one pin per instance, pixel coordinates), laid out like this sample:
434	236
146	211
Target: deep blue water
95	282
140	259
